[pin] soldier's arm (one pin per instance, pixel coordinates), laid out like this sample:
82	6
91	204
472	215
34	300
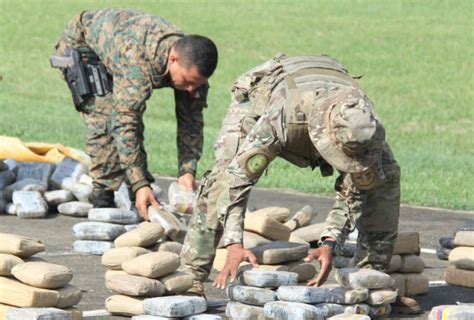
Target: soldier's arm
131	89
347	206
190	136
259	148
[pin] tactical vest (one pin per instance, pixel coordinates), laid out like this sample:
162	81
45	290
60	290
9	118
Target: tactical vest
302	78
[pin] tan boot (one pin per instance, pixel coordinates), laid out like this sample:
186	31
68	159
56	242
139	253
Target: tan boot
405	305
196	290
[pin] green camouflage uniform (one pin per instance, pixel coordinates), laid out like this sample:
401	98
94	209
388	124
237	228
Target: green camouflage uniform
134	48
280	108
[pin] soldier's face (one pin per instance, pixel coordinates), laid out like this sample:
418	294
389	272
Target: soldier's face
185	79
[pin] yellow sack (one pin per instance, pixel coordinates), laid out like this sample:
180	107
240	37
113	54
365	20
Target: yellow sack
14	148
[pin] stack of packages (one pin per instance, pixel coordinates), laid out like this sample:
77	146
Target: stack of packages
144	264
460	272
267	232
406	266
96	236
32	189
446	244
255	298
32	288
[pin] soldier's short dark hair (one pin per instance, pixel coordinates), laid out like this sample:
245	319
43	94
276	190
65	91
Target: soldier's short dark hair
199	51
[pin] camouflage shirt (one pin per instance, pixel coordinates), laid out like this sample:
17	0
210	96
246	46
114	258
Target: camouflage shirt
134	47
281	94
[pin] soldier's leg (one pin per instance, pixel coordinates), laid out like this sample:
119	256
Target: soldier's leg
105	167
378	219
205	228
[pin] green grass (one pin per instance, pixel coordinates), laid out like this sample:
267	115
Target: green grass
416	58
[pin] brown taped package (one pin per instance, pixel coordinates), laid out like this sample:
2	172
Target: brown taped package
123	305
19	246
152	265
135	285
310	233
17	294
43	274
459	277
407	242
267	227
114	258
146	234
462	257
7	262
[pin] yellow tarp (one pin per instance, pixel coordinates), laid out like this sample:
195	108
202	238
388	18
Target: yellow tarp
14	148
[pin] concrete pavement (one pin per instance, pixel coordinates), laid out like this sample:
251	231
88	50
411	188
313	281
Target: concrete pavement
56	232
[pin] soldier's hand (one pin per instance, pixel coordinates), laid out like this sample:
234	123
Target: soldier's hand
144	197
187	181
235	255
324	256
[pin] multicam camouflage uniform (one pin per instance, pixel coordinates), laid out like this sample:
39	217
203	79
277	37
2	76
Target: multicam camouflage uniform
134	48
309	111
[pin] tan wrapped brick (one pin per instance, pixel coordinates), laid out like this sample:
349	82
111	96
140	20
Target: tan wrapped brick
407	242
459	277
267	227
17	294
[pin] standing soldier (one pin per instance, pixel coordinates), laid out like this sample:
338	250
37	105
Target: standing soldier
115	59
309	111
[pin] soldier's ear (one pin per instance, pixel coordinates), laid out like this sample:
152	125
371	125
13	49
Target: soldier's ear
173	56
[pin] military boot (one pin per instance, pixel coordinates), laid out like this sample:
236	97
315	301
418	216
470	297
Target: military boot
196	290
102	199
405	305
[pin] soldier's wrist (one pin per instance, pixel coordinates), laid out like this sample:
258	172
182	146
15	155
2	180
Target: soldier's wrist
140	184
188	166
328	242
183	172
230	242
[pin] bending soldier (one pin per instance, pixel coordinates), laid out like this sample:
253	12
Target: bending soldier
140	52
309	111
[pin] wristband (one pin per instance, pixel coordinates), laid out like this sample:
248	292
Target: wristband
329	243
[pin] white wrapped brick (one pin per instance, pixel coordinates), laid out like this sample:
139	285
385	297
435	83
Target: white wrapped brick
56	197
29	204
75	208
282	310
363	278
67	172
175	306
113	215
93	246
97	230
24	185
38	314
251	295
262	279
240	311
303	294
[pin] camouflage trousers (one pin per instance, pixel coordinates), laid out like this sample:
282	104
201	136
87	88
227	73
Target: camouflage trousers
206	225
374	213
105	170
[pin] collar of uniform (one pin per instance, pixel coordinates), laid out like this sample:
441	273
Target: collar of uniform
159	60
